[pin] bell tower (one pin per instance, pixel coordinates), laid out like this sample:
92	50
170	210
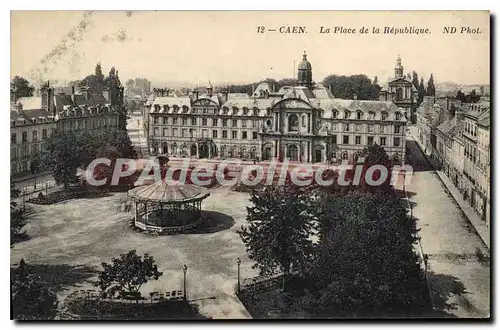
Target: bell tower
398	69
304	74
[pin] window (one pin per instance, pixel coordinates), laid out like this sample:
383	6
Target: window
345	156
214	122
52	132
174	121
13	138
214	134
384	115
175	132
234	134
224	134
204	121
245	111
397	141
44	134
345	139
359	115
371	115
243	123
382	141
370	140
235	122
184	132
335	114
334	139
359	128
382	128
165	132
25	137
165	120
334	127
347	114
398	116
184	121
193	121
346	127
243	135
224	122
156	131
254	135
191	133
358	139
303	120
293	123
155	120
370	128
397	129
254	124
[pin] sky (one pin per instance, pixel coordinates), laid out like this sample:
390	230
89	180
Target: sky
182	47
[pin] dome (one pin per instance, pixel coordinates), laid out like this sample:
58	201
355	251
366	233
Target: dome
169	192
305	64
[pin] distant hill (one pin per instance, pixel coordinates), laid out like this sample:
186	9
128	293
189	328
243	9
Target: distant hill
450	89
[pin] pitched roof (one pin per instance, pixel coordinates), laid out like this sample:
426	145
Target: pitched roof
31	102
484	119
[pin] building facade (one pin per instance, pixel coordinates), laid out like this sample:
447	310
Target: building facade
34	119
303	123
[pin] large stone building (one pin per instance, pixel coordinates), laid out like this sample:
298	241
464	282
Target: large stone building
34	119
302	123
401	91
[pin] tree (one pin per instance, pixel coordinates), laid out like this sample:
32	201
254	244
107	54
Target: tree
431	89
415	79
120	140
421	91
461	97
21	87
98	70
376	155
277	236
472	97
346	86
17	220
62	156
32	299
375	80
365	263
128	272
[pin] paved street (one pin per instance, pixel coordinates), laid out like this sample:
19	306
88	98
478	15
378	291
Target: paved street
459	276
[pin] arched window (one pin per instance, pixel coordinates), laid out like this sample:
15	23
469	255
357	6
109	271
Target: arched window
334	114
293	123
399	94
396	159
384	115
359	115
293	153
347	114
345	156
174	148
165	148
155	147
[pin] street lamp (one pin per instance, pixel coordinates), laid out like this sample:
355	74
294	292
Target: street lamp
184	269
238	262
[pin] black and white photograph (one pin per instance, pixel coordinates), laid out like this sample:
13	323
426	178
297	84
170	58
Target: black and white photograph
250	165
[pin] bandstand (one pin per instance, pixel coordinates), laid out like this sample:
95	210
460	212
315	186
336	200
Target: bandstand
167	207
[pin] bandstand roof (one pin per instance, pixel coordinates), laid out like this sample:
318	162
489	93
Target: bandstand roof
169	192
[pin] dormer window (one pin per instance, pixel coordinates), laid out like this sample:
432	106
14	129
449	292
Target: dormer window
157	108
176	108
165	108
245	111
268	112
347	114
335	114
371	115
225	110
384	115
359	115
184	109
398	116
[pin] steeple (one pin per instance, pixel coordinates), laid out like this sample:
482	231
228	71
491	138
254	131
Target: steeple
398	70
304	74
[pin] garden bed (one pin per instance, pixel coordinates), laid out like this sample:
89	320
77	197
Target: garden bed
61	196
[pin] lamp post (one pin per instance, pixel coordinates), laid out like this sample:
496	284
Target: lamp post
238	262
184	269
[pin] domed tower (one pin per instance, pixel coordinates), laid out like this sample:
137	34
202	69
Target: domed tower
305	72
398	70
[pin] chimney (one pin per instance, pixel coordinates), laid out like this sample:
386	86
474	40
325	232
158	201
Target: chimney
13	97
253	89
196	94
73	94
225	96
209	91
